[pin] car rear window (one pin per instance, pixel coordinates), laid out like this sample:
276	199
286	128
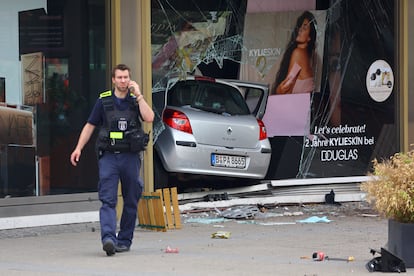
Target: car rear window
208	96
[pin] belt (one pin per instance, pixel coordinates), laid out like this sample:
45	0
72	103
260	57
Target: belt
116	151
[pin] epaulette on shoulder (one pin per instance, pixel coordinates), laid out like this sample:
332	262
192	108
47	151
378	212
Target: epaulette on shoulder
107	101
105	94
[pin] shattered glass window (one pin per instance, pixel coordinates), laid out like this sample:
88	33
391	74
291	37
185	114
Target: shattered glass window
329	66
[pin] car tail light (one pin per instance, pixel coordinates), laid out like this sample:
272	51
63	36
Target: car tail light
263	133
177	120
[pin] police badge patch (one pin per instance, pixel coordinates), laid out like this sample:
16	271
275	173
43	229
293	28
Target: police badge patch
122	124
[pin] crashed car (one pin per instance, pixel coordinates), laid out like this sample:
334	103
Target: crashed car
211	128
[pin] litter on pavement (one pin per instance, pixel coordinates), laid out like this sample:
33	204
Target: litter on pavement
314	219
221	235
171	250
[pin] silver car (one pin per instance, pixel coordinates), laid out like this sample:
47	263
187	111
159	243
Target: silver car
211	128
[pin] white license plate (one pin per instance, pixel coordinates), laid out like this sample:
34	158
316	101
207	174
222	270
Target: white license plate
229	161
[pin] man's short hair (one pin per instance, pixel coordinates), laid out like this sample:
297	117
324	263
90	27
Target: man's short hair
121	67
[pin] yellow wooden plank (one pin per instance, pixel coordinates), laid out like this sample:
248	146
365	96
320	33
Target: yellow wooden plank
151	211
142	211
159	191
147	212
161	218
159	212
167	205
144	219
176	209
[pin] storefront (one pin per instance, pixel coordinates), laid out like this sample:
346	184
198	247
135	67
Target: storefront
57	57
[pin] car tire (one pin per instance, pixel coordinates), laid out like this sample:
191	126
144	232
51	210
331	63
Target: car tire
160	174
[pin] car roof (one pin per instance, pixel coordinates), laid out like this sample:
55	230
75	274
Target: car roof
259	110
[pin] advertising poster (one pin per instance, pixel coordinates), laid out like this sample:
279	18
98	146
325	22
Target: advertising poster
32	78
353	118
346	120
285	50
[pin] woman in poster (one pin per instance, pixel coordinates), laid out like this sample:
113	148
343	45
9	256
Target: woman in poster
295	73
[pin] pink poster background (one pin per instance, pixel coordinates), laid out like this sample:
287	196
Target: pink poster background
279	5
287	115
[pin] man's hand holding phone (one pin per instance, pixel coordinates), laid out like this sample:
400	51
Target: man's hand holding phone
134	88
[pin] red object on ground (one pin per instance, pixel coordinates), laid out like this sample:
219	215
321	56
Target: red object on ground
318	256
171	250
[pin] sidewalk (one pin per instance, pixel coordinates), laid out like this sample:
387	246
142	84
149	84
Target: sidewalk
274	244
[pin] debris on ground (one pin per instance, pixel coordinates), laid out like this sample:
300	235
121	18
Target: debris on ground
273	215
349	259
221	235
314	219
207	220
240	212
171	250
386	262
216	197
321	256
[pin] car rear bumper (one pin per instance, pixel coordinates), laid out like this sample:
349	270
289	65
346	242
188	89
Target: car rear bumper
194	158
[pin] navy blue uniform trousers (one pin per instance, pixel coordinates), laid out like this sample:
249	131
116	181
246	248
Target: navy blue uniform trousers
115	167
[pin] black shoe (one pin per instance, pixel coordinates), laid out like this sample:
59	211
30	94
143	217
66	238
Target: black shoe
109	247
121	248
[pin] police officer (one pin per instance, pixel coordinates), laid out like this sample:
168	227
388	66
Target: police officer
118	113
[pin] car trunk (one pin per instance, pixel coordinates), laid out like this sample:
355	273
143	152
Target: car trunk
216	129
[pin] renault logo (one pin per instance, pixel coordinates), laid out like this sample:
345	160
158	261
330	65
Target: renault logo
229	131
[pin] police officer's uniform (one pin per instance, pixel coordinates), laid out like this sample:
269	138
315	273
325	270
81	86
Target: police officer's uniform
119	160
